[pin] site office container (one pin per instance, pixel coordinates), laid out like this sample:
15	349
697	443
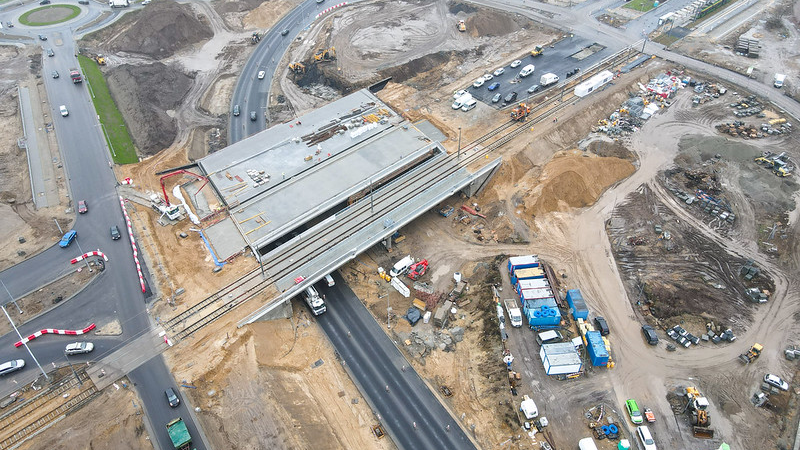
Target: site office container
596	348
577	306
536	283
560	359
522	262
593	83
533	294
527	274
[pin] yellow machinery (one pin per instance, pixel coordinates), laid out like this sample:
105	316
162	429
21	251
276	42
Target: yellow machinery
328	54
462	26
521	112
297	67
537	51
101	60
752	354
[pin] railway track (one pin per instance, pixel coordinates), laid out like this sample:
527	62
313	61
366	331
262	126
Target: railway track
32	416
286	258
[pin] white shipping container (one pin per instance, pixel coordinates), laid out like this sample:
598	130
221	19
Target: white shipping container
522	260
533	294
560	359
593	83
534	283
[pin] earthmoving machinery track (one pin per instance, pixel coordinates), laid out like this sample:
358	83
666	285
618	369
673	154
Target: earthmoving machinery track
36	414
287	258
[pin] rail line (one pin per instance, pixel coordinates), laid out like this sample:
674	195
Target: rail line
27	419
311	245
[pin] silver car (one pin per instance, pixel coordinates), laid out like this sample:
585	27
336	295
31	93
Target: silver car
11	366
78	348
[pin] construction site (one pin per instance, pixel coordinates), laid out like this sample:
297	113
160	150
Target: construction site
515	253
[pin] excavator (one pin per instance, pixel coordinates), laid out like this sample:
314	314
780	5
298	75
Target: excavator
101	60
462	26
520	113
297	67
328	54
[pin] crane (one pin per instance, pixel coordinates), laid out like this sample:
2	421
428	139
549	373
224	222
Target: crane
180	172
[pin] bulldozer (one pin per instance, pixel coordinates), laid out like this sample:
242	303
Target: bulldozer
328	54
101	60
520	113
701	419
783	171
752	354
537	51
462	26
297	67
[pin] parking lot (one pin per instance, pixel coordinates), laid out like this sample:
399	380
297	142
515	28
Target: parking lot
564	56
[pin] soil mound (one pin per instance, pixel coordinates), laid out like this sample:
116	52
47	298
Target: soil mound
573	181
160	30
491	23
151	128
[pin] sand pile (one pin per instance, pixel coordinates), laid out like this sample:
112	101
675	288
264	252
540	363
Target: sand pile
570	180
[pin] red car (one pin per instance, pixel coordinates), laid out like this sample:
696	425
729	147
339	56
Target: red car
82	208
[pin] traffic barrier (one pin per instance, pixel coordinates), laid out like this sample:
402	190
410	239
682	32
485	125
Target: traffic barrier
54	331
133	243
88	254
326	11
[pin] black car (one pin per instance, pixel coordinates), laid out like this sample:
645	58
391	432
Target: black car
602	325
253	116
650	334
42	37
510	97
44	2
172	398
285	32
83	2
55	74
9	25
50	52
115	233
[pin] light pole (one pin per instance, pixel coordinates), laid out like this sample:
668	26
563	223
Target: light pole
11	296
73	369
24	343
81	250
459	143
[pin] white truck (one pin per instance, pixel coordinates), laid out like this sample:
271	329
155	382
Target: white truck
527	70
548	79
778	81
514	313
314	301
119	3
528	408
460	101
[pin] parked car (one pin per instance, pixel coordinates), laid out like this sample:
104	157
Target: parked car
83	208
235	110
647	439
633	411
510	97
78	348
63	109
172	398
115	233
515	64
478	83
253	116
459	93
499	72
776	381
488	77
50	52
261	74
67	239
494	86
650	334
11	366
602	325
55	74
496	98
534	88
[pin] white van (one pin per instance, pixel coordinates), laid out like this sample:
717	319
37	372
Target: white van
401	266
548	337
587	444
469	104
528	408
527	70
329	280
461	100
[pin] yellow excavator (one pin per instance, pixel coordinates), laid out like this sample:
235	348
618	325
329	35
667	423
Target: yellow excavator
297	67
101	60
328	54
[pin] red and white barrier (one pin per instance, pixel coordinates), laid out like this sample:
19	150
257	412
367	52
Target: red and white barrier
88	254
127	180
326	11
54	331
133	244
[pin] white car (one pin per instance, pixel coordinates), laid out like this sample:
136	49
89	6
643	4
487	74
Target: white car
478	83
78	348
647	439
487	77
11	366
261	75
63	109
459	93
776	381
146	2
515	64
499	72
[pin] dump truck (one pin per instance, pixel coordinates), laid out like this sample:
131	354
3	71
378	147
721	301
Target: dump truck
75	75
537	51
179	434
462	26
752	354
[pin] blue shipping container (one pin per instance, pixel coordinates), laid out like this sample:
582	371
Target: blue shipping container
577	306
522	262
596	348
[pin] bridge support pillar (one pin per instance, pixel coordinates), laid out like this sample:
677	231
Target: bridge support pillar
283	311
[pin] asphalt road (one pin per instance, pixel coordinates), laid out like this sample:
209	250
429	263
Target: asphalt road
374	363
251	94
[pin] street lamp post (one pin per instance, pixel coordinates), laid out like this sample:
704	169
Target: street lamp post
11	296
459	143
73	369
24	343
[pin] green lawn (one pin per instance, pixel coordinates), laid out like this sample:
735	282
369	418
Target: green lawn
23	19
640	5
116	133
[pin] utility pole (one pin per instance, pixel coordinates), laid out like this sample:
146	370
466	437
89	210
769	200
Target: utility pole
73	369
11	296
24	343
459	143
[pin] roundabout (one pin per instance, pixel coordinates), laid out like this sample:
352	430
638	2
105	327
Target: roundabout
49	15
